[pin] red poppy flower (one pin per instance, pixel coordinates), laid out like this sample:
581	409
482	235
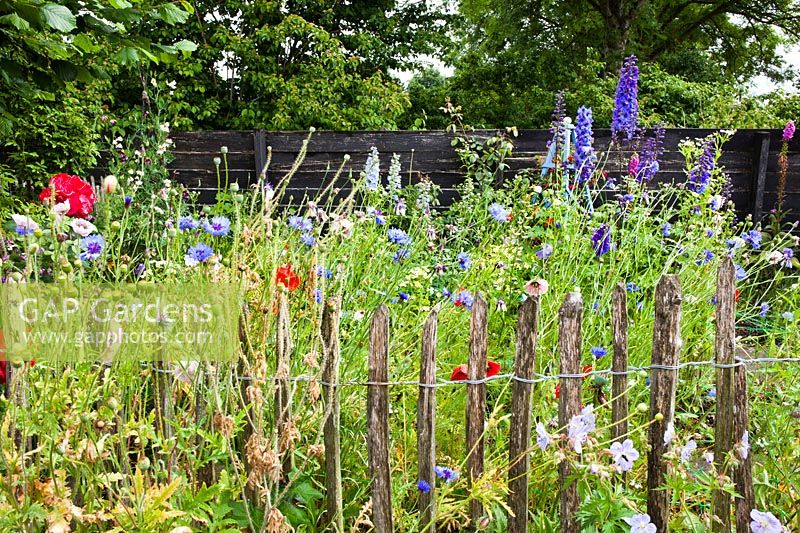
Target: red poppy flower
736	296
460	372
72	189
285	276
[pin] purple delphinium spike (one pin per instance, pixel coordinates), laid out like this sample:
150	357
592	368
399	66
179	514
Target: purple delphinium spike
625	116
585	157
652	150
700	174
788	131
601	240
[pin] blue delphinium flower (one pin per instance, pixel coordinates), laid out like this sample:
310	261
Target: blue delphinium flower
499	213
788	254
666	229
92	247
400	255
626	198
601	240
652	150
445	473
625	116
199	253
372	170
753	238
598	352
463	260
300	223
327	273
423	486
585	158
398	236
715	202
700	174
318	295
763	309
188	223
217	226
308	239
545	252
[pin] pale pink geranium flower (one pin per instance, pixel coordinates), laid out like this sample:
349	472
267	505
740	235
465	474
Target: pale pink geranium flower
82	227
536	287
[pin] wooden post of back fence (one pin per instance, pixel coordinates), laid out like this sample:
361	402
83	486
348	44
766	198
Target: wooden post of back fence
519	440
283	391
569	402
426	423
476	398
723	426
666	350
330	388
378	420
743	472
619	364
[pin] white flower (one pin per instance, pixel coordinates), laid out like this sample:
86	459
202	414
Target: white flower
82	227
543	438
61	209
640	523
172	85
669	434
164	127
342	225
709	457
775	257
743	447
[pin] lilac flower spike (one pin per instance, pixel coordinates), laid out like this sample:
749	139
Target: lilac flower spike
585	158
764	522
626	104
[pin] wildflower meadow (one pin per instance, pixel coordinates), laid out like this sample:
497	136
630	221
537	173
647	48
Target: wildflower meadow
365	309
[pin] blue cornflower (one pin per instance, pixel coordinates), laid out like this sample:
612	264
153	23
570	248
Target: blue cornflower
377	215
601	240
318	295
92	247
585	157
763	309
545	252
709	233
423	486
300	223
666	229
324	272
128	201
217	226
595	307
499	213
308	239
188	223
199	253
639	306
705	258
465	299
139	270
700	174
445	292
400	255
398	236
788	315
446	474
740	272
463	260
753	238
598	352
625	116
788	254
403	296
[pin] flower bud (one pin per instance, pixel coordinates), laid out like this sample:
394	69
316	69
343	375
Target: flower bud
110	184
38	232
642	407
116	225
217	161
223	149
659	417
234	187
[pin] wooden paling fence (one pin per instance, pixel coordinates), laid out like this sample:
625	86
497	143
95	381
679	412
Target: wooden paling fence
731	405
731	419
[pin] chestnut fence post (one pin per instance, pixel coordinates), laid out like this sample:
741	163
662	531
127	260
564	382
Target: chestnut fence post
619	364
665	355
519	440
426	423
476	397
378	420
330	377
569	405
723	355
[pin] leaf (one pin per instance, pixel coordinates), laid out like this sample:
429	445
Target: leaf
120	4
58	17
83	42
127	56
172	14
65	70
185	46
16	21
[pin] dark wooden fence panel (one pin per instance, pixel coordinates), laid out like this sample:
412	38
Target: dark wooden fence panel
431	154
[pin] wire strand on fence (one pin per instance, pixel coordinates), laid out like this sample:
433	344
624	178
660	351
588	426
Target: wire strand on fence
540	378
